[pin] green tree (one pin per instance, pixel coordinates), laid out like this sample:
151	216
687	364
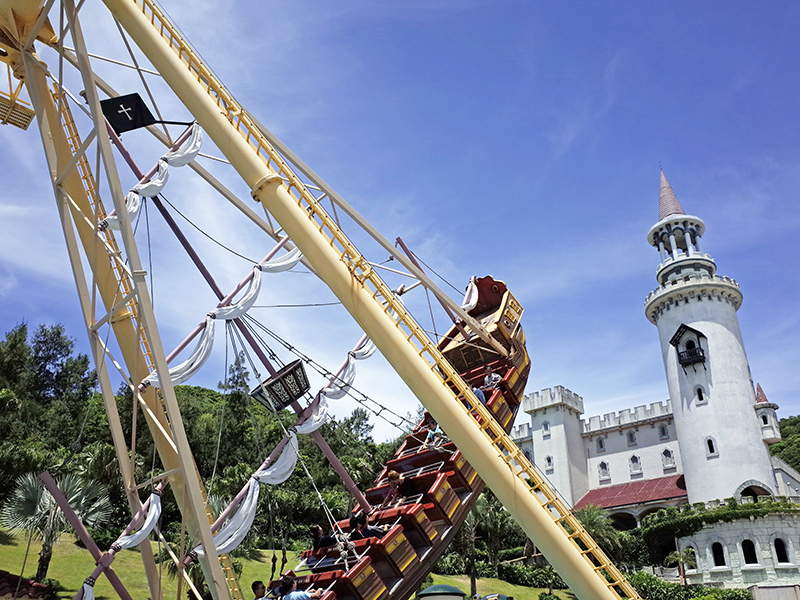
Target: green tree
600	527
33	509
682	558
788	449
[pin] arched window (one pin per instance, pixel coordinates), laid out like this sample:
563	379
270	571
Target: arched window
691	551
765	419
718	553
546	429
631	437
690	345
780	551
749	552
548	463
711	447
667	458
603	471
601	444
663	432
635	464
701	397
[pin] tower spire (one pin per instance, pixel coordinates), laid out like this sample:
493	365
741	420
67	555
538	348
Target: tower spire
668	204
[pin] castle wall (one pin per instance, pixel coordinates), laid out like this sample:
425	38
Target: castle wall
737	572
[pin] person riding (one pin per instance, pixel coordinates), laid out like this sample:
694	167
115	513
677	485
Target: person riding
288	590
259	589
320	539
360	530
399	488
491	381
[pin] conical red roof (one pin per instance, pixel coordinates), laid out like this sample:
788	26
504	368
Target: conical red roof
668	204
760	395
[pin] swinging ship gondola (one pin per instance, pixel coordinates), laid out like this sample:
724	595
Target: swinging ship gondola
421	526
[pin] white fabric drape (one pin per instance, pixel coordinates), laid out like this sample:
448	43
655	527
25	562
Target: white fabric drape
339	386
151	188
181	156
153	513
365	350
234	531
88	592
471	297
188	150
282	263
189	367
282	468
234	311
317	418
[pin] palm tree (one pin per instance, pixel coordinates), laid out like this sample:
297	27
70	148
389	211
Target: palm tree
599	525
32	508
683	558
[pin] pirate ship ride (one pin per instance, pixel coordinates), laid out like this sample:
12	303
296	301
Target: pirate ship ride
117	305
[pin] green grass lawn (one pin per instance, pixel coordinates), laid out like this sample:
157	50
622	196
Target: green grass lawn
71	565
498	586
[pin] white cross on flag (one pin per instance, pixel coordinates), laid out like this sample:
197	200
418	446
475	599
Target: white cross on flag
127	112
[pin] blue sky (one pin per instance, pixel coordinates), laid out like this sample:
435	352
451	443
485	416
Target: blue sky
518	139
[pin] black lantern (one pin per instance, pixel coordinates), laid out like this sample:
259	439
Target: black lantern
288	384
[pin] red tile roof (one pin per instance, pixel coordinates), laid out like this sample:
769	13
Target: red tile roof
27	588
635	492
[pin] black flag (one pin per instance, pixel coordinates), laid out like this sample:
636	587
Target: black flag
127	112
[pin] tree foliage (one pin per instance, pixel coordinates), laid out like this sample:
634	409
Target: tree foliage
788	449
48	402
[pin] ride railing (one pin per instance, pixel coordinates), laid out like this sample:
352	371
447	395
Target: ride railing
106	235
369	279
124	283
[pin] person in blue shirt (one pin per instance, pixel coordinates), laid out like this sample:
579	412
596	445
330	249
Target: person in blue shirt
288	590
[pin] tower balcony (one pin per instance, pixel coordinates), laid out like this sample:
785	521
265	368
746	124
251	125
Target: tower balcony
691	356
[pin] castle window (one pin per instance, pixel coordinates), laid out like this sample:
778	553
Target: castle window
602	470
546	429
765	419
635	464
749	552
548	463
601	444
780	551
663	432
711	448
631	435
690	352
691	551
701	397
668	458
718	552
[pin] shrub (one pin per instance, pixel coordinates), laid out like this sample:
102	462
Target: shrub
651	587
484	569
540	577
511	553
546	596
449	564
723	594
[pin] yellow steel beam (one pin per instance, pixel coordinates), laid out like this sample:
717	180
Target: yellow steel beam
350	278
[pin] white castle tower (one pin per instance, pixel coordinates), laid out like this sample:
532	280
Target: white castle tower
723	450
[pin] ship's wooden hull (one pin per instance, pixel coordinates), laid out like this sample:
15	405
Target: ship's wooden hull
423	525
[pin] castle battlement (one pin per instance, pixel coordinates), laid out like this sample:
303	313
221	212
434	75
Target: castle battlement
552	397
522	431
695	287
627	417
